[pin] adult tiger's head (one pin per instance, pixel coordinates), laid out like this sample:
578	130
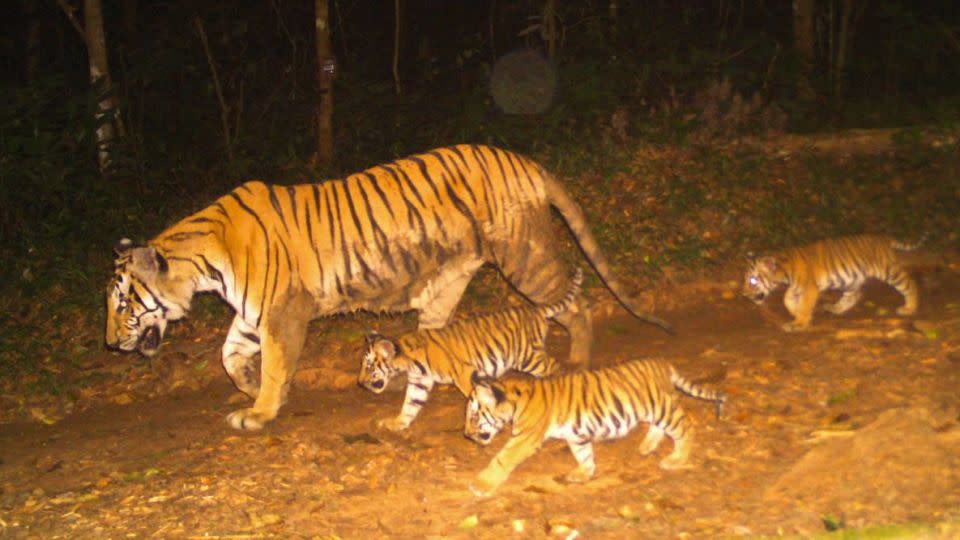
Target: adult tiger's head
378	363
763	275
143	295
489	410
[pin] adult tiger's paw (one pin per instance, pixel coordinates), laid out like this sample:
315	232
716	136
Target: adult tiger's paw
248	419
392	424
479	489
484	484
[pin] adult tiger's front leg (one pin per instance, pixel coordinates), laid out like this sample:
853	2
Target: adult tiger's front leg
281	340
239	349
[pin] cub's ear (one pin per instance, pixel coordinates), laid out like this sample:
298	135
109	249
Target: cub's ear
122	246
384	348
498	393
750	256
769	263
484	393
147	261
371	337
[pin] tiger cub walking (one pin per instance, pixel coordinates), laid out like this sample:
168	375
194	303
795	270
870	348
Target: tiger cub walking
580	408
842	264
486	345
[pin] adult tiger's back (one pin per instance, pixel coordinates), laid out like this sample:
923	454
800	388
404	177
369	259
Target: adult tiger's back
408	234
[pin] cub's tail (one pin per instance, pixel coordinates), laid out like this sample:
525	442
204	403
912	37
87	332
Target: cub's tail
568	299
700	392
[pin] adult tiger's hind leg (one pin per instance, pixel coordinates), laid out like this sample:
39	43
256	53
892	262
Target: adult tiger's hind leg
543	279
281	341
579	324
239	349
438	300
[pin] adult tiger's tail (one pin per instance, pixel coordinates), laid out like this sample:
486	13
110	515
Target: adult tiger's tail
558	197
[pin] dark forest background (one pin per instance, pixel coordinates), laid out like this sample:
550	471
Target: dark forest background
646	73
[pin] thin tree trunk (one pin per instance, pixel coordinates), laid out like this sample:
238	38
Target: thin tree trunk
549	28
803	43
326	67
613	12
33	41
100	80
396	46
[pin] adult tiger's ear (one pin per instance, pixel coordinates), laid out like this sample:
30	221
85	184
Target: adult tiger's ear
147	261
122	246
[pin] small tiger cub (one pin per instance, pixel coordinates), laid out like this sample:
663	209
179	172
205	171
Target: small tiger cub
843	264
487	345
580	408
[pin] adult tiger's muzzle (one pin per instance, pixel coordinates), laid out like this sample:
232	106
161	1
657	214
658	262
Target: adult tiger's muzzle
149	340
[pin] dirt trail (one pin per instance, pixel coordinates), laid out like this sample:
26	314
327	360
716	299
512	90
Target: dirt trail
853	422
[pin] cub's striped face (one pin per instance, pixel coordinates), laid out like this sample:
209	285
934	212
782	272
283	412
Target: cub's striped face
762	277
377	368
136	316
488	412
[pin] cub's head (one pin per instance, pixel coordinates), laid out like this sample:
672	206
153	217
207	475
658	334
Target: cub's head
142	296
489	410
378	365
763	275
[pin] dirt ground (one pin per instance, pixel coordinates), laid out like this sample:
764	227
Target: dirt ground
850	424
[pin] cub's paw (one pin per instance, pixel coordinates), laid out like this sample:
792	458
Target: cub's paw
904	311
392	424
248	419
480	489
578	476
794	326
673	463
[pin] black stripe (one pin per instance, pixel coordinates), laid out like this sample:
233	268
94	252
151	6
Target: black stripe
275	203
425	174
246	284
353	210
291	193
379	190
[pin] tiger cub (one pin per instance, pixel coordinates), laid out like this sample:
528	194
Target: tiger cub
580	408
842	264
487	345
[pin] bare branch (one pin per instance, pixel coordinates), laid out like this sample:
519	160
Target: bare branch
71	13
224	109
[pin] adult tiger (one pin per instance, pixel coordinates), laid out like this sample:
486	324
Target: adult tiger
843	264
581	408
486	345
404	235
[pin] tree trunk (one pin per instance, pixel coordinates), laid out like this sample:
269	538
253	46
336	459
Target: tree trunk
396	46
33	41
803	43
326	66
613	12
100	80
548	28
